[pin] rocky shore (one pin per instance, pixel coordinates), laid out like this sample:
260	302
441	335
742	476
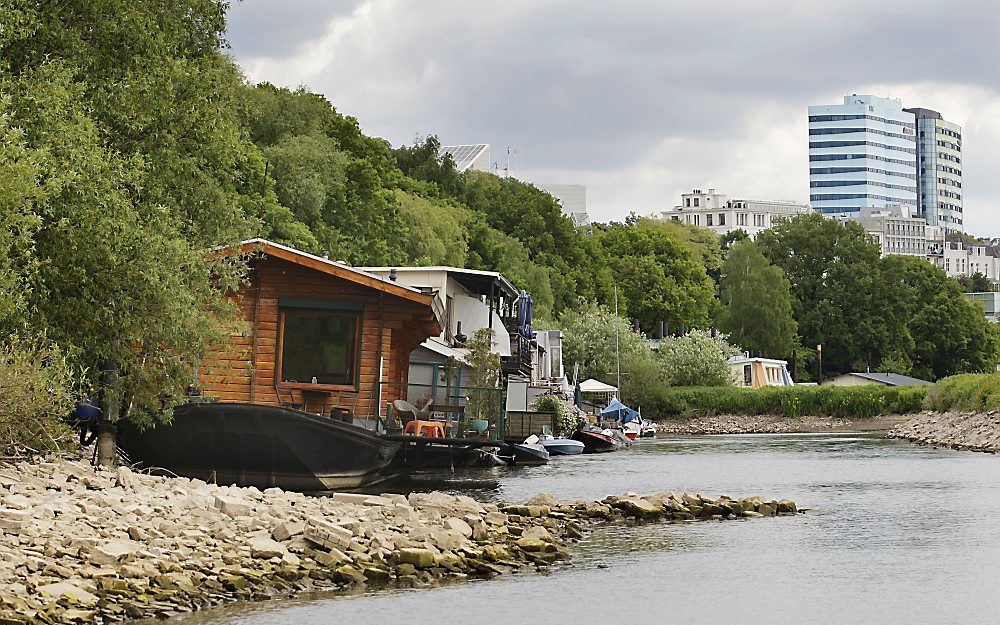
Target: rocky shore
84	545
969	431
771	424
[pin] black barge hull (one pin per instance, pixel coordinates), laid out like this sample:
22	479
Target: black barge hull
262	446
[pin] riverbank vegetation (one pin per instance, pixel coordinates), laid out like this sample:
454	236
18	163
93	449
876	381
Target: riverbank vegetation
131	144
852	402
973	393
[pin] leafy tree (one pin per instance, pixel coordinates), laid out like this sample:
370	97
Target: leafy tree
589	331
484	374
696	359
421	161
976	283
659	275
756	303
950	334
435	231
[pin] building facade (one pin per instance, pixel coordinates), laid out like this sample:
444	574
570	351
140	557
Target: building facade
962	258
862	154
722	215
572	198
896	232
939	170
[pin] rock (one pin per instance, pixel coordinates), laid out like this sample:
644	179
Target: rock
447	540
543	499
286	530
539	532
786	506
460	526
66	589
327	534
124	478
350	498
496	518
332	558
419	558
266	548
233	507
349	574
634	506
113	551
532	544
14	520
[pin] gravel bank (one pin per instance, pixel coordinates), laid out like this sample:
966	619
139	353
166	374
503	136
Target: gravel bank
770	424
79	545
970	431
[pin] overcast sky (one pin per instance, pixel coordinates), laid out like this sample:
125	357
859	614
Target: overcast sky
639	100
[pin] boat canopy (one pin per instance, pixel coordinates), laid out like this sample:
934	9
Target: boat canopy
616	410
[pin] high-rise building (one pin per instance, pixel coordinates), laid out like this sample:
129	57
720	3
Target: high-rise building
939	170
862	154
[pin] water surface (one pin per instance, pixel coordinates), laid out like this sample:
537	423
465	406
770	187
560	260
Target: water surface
907	534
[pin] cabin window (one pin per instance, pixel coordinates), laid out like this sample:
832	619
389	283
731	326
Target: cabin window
319	347
747	375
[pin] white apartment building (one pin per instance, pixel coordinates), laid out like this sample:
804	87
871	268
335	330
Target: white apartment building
722	215
862	154
897	232
960	258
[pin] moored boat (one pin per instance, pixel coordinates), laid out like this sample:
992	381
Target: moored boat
262	446
595	441
561	446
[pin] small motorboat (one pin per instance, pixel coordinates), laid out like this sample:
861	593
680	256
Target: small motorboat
561	446
530	452
648	429
632	430
596	440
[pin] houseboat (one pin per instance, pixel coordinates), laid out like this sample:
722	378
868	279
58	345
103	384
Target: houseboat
758	372
300	398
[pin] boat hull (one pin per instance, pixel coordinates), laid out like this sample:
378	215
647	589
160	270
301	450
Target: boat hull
522	454
595	442
262	446
562	446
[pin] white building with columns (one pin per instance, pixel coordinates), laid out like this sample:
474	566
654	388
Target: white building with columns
719	213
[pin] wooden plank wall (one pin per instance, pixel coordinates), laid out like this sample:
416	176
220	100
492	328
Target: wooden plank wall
234	374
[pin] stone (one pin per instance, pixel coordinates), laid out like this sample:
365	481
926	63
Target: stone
543	499
112	551
635	506
66	589
350	498
266	548
125	478
539	532
286	530
349	574
447	540
233	507
460	526
327	534
786	506
531	544
419	558
496	518
332	558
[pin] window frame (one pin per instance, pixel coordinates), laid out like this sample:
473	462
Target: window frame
319	311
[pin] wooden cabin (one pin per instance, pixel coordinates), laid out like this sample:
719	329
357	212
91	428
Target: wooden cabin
319	336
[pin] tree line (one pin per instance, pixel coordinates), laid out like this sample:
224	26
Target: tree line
132	143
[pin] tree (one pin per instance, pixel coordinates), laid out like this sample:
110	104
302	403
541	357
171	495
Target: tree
659	275
696	359
950	334
484	374
976	283
590	340
756	302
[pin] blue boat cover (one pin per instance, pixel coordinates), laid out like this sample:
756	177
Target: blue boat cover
524	314
615	410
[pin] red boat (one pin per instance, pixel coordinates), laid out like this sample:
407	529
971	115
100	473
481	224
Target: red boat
595	441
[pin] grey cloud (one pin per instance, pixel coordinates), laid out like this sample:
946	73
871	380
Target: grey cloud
277	27
578	86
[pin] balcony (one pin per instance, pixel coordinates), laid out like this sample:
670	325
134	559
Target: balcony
519	361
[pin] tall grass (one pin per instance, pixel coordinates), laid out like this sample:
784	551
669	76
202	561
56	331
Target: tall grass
852	402
969	392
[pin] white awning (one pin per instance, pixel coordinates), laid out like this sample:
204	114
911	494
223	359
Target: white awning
593	386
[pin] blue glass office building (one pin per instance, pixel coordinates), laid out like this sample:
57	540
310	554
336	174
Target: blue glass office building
862	154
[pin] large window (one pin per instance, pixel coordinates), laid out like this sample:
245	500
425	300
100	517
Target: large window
319	347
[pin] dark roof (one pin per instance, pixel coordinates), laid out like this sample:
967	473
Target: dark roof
891	379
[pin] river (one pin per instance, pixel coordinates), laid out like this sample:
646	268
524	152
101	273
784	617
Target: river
905	534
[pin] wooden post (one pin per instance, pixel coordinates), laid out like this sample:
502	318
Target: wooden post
109	406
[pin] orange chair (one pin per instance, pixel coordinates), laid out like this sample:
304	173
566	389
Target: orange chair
432	429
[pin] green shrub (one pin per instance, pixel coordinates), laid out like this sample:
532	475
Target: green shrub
35	394
969	392
562	420
852	402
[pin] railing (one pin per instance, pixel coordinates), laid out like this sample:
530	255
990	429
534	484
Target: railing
519	360
466	411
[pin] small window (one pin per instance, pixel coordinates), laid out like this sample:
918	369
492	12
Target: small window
708	220
319	347
722	219
747	375
696	201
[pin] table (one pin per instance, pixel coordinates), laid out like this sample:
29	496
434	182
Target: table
433	429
